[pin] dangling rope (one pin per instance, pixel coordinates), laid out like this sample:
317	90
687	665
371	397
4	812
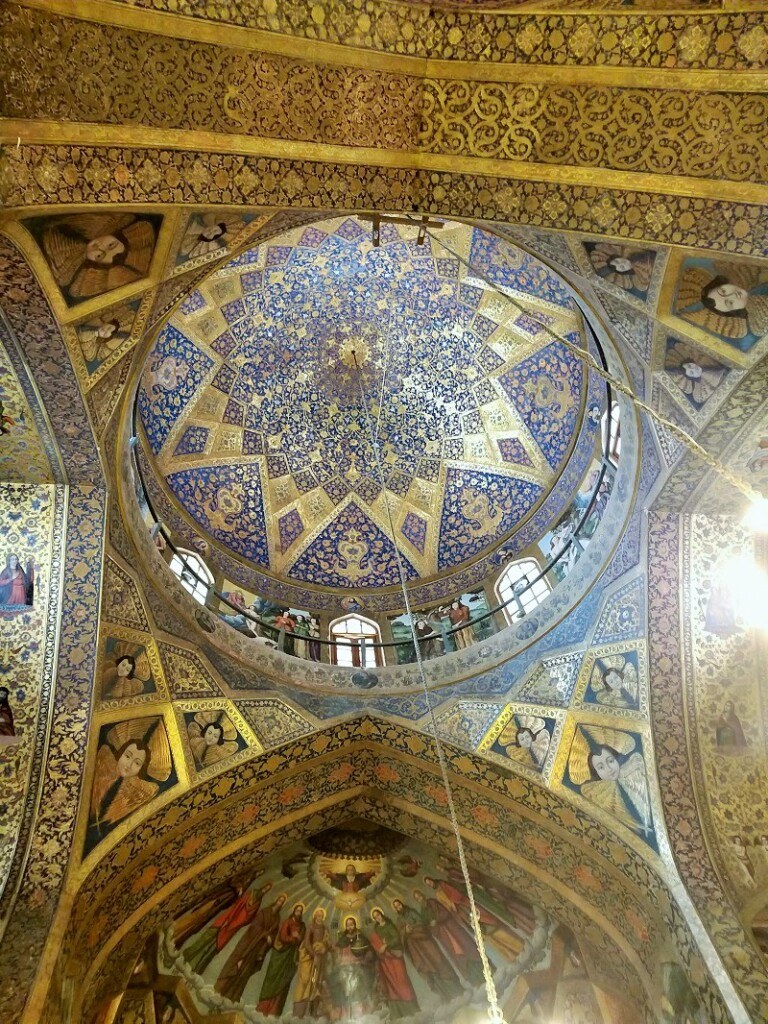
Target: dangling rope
496	1016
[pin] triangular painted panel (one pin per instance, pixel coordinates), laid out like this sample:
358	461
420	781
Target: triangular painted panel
350	552
479	509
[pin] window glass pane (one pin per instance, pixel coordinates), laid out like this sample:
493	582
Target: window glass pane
516	590
187	567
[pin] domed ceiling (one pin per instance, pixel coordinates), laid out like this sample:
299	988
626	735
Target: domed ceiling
251	405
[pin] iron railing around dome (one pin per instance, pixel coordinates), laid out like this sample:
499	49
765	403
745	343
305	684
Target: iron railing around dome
607	465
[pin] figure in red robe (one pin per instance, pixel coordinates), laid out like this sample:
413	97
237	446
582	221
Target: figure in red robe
213	938
15	584
393	974
456	942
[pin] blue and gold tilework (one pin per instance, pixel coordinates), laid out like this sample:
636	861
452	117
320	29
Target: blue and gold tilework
250	402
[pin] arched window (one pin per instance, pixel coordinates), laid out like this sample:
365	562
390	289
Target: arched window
194	575
612	433
514	591
352	635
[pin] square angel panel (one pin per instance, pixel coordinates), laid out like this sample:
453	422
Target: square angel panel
214	736
607	767
134	764
614	679
524	738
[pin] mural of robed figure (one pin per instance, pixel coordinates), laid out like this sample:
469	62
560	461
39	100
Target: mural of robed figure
213	938
424	953
311	993
251	951
282	964
392	970
455	940
352	978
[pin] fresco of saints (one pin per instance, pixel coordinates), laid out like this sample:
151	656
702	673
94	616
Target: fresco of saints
311	994
126	671
212	738
282	964
251	950
215	936
728	300
131	764
92	253
525	738
391	967
621	265
609	771
16	585
352	978
424	953
695	373
615	682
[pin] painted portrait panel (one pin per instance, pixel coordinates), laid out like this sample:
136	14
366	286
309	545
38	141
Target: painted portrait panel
133	765
208	235
696	374
104	336
213	737
526	740
126	670
8	734
615	681
728	301
17	583
90	254
607	767
623	266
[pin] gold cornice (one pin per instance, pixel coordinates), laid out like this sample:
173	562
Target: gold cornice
40	132
218	33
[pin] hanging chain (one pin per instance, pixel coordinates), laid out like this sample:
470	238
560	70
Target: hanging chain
490	988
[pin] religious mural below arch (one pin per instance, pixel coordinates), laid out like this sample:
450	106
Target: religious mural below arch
360	922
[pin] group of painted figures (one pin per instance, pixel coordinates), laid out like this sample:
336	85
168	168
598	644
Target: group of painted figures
344	972
302	631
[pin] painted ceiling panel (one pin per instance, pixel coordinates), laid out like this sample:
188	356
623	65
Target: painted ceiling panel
252	402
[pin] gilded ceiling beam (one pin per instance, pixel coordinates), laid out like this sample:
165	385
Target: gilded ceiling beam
687	33
51	176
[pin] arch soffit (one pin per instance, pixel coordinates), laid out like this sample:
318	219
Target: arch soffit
510	819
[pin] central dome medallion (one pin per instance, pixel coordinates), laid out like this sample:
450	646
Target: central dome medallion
251	405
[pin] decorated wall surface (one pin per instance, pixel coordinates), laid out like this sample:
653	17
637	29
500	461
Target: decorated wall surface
608	750
359	920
